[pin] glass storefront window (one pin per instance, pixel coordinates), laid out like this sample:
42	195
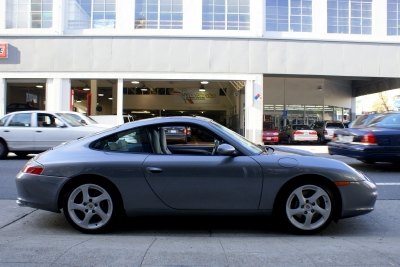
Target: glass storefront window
226	15
90	14
158	14
313	113
337	114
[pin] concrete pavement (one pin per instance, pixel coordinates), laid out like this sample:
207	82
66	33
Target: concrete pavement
30	237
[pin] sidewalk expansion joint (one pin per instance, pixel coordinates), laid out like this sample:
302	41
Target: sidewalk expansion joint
4	226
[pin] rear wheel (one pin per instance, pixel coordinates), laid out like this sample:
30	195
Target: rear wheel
89	207
289	140
3	149
306	207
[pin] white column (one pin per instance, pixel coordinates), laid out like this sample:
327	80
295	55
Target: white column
93	91
58	94
3	96
254	109
119	95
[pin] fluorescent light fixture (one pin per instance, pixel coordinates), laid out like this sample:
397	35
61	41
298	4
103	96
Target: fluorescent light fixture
39	86
134	82
86	88
202	88
110	97
140	111
204	82
100	94
78	100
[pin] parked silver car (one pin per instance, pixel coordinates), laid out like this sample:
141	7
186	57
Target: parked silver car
24	132
326	129
130	169
297	133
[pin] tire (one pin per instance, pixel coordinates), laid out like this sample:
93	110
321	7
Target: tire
90	207
185	141
289	140
3	149
305	207
21	154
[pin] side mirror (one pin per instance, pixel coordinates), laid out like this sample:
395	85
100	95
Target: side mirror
226	150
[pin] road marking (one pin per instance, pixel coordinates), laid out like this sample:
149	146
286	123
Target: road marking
387	183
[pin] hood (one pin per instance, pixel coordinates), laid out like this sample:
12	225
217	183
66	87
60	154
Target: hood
287	151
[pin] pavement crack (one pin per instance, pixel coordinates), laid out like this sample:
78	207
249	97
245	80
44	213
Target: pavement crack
144	256
69	250
223	249
16	220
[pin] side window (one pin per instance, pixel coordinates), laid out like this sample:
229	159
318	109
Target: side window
47	120
132	140
4	120
21	120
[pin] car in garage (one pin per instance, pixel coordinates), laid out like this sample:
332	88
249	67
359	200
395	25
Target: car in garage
105	176
24	132
176	134
270	133
19	107
379	141
297	133
325	129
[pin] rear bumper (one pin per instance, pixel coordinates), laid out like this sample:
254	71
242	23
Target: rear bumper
270	139
38	191
365	152
299	138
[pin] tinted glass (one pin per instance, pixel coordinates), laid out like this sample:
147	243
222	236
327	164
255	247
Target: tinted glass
4	120
334	125
21	120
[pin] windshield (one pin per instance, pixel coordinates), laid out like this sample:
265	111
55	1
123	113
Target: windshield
239	138
69	119
386	121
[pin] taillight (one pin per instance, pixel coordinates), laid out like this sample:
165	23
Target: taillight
33	167
184	130
298	132
325	132
369	138
313	132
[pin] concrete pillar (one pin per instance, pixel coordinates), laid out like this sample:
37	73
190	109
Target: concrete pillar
58	94
353	111
119	100
3	96
93	91
254	109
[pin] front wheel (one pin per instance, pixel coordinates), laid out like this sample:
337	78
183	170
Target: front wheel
89	207
289	140
306	207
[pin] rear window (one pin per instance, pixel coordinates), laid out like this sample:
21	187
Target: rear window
301	127
334	125
268	126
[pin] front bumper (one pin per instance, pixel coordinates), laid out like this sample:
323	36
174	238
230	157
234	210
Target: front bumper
39	191
358	198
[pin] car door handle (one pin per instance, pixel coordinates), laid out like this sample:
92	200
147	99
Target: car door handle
154	170
38	131
6	131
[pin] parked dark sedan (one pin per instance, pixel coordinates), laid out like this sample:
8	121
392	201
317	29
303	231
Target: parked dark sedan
19	107
176	134
377	141
130	169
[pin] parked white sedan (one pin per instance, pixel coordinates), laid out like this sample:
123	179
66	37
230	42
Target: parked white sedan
34	131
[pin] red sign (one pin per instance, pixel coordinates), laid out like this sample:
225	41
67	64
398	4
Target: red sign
3	50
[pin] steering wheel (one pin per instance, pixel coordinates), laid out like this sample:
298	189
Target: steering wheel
216	145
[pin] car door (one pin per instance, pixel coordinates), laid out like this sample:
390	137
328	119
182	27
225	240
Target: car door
50	134
19	132
207	182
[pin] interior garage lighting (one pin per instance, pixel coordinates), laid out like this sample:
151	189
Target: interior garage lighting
110	97
86	88
39	86
140	112
204	82
202	89
100	94
134	82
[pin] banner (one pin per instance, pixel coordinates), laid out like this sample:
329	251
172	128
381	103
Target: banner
194	96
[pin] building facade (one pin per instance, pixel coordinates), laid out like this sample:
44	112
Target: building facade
304	60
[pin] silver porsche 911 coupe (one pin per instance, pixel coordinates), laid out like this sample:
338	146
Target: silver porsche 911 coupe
131	169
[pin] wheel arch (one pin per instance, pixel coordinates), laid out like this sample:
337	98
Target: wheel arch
6	147
317	178
91	178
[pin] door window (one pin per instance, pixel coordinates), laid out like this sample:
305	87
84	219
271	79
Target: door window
21	120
